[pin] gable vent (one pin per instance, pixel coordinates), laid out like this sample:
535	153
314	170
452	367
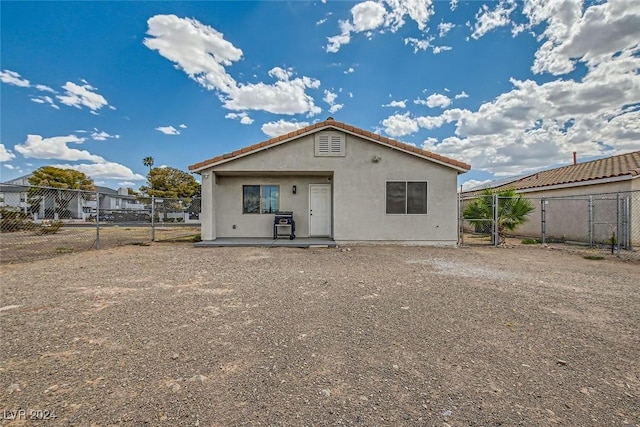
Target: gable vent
330	144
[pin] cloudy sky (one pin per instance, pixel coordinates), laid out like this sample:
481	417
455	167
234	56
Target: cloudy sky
507	86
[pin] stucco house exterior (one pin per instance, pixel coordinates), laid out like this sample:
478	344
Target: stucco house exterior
340	182
583	201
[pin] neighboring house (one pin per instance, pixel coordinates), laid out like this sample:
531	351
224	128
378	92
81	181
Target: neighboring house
340	181
13	196
582	199
79	205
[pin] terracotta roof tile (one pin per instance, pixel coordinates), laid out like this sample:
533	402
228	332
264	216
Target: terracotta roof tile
610	167
339	125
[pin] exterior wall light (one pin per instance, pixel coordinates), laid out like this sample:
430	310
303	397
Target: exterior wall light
294	189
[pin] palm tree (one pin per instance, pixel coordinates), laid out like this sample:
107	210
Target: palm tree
512	211
148	161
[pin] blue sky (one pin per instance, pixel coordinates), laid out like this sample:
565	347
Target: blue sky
507	86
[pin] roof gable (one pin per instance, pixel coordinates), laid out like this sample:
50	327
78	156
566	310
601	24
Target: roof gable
330	124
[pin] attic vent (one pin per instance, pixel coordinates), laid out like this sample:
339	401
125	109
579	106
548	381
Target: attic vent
330	144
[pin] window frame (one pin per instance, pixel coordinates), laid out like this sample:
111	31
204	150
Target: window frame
406	197
261	196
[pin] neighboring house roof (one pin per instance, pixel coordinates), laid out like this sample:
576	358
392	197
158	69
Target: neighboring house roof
106	190
12	188
623	166
330	123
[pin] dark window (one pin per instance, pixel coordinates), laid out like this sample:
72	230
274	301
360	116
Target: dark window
260	199
406	197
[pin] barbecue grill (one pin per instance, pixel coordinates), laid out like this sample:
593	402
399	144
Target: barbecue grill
284	219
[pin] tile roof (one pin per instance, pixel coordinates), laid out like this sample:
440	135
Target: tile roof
610	167
337	125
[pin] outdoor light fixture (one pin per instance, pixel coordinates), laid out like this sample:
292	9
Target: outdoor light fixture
205	176
294	189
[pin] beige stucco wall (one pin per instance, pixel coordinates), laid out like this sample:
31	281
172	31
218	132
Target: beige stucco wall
358	186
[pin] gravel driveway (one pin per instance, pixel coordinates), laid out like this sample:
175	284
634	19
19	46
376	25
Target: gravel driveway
171	335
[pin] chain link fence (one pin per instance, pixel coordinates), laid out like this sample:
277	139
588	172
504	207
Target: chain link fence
606	220
41	222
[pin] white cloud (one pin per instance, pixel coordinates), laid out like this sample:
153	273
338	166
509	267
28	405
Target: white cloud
243	117
444	28
399	125
168	130
488	19
349	70
126	184
474	183
330	98
44	88
281	127
105	170
13	78
203	53
536	124
418	44
82	96
102	135
182	126
397	104
429	143
45	100
37	147
367	15
435	100
462	95
5	155
592	36
10	167
439	49
370	16
453	4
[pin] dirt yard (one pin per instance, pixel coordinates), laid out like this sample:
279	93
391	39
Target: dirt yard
170	335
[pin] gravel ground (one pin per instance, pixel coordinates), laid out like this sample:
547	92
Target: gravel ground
171	335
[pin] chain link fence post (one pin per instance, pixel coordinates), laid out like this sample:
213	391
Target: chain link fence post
495	219
97	220
543	220
153	218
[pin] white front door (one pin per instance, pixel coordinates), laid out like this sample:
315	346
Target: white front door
320	210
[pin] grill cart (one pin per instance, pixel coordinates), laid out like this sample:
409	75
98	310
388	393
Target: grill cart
284	220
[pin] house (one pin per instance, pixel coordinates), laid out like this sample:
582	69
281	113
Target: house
584	202
340	182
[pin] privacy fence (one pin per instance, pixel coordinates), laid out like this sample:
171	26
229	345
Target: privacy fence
41	222
594	220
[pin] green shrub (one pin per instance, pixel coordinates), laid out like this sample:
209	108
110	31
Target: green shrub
530	241
50	227
12	220
197	238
